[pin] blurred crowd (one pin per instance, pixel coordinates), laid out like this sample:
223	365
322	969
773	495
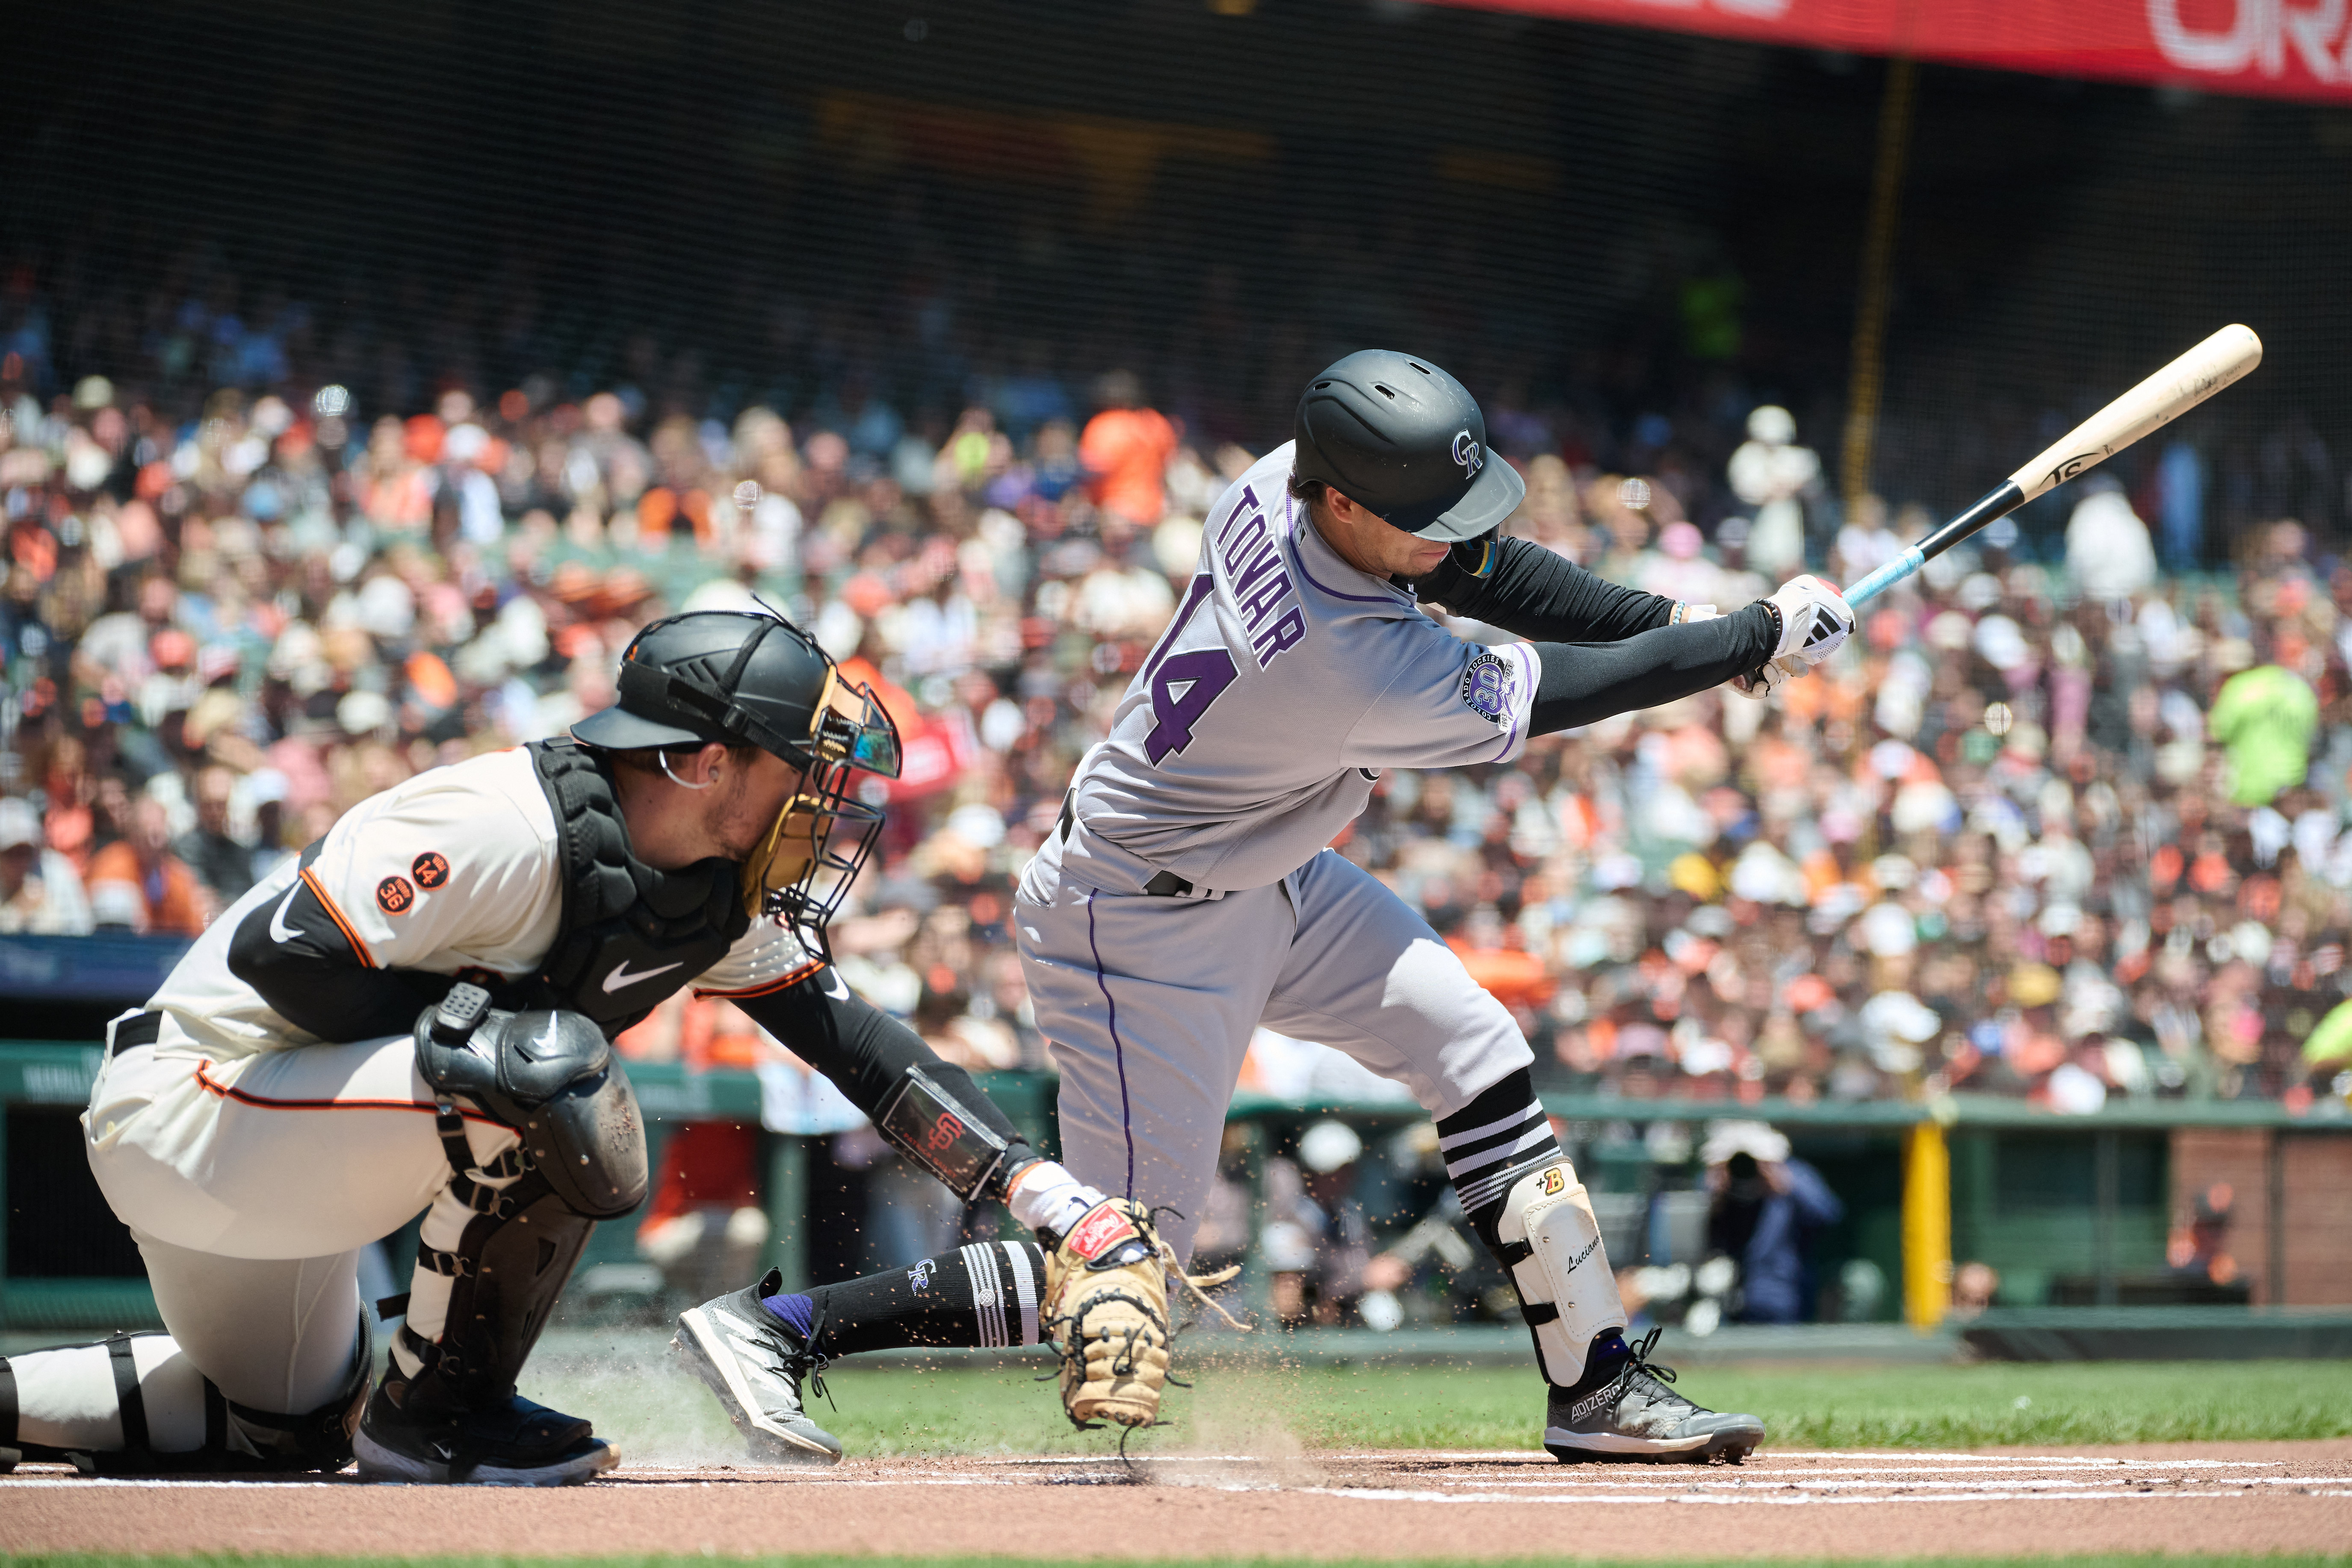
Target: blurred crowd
2054	825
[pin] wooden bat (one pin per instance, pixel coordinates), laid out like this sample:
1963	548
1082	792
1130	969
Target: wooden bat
2171	392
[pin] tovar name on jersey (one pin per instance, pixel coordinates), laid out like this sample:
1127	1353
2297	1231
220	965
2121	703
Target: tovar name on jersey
1284	682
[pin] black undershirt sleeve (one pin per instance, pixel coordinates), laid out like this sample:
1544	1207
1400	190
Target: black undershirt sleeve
863	1050
1545	598
296	957
1583	683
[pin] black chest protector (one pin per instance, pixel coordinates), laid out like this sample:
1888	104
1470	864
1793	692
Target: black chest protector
631	935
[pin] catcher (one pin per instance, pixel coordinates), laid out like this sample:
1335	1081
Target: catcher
416	1014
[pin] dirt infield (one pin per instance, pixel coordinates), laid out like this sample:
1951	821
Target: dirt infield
2190	1498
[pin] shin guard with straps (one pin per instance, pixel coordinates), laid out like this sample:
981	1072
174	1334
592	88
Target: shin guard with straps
133	1404
1548	1239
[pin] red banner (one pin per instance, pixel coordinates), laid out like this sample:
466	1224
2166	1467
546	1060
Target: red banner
2274	49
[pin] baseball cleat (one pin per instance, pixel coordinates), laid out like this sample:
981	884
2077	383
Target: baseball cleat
755	1365
1635	1416
512	1444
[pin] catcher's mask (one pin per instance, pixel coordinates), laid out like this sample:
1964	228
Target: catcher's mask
742	679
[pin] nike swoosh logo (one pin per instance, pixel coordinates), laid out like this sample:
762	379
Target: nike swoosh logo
279	931
621	976
834	986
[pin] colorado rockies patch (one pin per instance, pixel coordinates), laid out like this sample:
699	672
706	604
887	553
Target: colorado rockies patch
1487	685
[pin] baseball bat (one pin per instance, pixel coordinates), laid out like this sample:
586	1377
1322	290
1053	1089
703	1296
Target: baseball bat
2171	392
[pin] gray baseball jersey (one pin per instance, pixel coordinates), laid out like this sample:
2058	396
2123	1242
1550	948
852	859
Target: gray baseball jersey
1287	679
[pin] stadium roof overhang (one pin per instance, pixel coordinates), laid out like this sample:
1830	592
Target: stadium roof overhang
2270	48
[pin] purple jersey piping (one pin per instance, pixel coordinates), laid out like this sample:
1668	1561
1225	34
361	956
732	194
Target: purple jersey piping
1119	1051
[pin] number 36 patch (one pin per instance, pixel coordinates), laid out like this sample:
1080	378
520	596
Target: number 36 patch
1488	685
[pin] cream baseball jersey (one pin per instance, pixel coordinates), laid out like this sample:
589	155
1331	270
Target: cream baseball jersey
454	871
1287	680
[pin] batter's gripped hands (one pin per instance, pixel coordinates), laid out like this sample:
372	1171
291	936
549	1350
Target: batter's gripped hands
1765	679
1815	620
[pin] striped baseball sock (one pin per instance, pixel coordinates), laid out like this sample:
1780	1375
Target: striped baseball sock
1489	1144
984	1294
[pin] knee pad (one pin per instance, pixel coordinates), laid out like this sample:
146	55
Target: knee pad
1551	1244
552	1077
107	1410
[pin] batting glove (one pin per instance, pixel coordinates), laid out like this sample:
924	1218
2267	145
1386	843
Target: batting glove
1815	620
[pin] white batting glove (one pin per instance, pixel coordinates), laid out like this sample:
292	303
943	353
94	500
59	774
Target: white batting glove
1815	620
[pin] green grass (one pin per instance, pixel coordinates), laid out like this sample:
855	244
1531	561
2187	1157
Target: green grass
658	1416
233	1560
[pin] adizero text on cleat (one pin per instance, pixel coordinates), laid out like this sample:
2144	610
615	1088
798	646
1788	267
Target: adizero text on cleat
756	1366
1637	1417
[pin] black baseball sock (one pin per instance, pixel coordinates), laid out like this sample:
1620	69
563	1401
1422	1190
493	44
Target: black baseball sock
984	1294
1488	1145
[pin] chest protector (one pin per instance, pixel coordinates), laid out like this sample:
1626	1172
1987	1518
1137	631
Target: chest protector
631	935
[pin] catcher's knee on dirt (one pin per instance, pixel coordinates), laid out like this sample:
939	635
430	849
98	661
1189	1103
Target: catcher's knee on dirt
1106	1313
134	1404
1548	1239
498	1243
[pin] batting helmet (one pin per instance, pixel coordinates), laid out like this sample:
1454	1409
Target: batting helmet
1401	438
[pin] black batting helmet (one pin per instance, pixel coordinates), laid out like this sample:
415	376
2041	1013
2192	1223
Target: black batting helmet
1401	438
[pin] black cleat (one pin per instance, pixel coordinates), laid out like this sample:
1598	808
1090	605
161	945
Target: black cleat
513	1443
1635	1417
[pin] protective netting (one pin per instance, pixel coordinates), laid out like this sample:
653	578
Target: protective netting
1621	238
442	346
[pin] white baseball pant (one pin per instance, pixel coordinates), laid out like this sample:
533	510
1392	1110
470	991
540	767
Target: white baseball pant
251	1184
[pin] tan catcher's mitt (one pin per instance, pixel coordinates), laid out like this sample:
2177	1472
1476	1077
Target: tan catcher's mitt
1106	1312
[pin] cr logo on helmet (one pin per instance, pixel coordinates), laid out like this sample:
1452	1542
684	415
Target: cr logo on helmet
1466	453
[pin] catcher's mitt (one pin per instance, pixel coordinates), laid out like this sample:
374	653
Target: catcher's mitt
1106	1312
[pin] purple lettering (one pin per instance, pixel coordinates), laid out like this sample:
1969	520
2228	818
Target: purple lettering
1202	676
1230	548
1267	558
1242	509
1287	632
1194	597
1259	601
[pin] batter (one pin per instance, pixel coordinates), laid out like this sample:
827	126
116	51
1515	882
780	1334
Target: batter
1187	895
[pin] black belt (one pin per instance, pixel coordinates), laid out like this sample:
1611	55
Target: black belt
1163	884
144	1029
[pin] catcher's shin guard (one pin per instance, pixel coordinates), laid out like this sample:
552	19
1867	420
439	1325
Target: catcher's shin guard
497	1247
447	1409
134	1404
1548	1239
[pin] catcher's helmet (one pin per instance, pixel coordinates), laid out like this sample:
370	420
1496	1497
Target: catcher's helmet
735	677
1398	436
